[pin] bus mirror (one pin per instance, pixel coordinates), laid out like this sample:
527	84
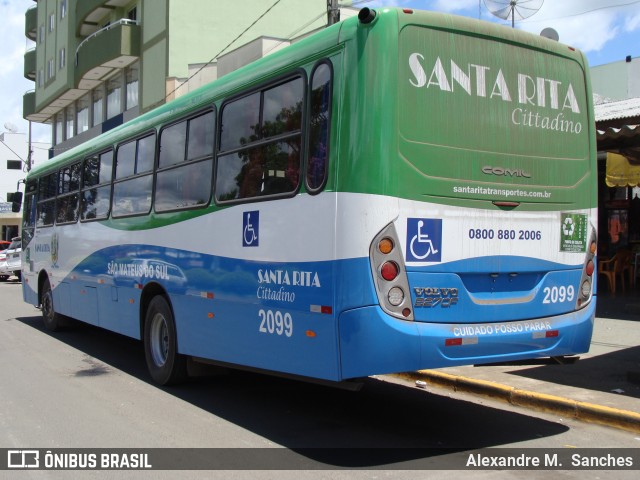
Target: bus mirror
16	202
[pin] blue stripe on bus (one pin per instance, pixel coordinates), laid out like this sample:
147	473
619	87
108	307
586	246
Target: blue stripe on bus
289	317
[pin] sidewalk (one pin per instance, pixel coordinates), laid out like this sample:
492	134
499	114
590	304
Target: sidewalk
603	386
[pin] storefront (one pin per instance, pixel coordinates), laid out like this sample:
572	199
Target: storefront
9	222
618	137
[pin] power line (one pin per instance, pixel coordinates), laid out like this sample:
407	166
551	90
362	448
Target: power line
296	31
14	152
221	51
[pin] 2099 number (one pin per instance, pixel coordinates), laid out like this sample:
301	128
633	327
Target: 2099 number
559	294
275	323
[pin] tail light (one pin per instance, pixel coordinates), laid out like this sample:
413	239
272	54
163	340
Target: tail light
389	276
586	281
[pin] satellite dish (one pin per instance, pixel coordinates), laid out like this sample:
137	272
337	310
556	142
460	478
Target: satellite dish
519	9
10	127
550	33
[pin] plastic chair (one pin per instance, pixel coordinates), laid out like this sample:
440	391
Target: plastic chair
617	266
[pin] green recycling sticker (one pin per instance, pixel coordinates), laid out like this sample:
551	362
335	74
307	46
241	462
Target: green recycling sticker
573	232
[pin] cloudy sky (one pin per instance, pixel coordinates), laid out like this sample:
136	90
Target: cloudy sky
606	30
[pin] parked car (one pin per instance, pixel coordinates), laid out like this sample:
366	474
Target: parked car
3	260
11	264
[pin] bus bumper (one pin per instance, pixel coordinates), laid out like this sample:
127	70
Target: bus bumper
372	342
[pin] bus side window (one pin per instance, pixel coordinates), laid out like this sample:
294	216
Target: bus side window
185	164
29	211
319	124
96	186
68	196
265	159
133	185
47	200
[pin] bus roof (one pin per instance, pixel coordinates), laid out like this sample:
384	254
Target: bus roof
314	46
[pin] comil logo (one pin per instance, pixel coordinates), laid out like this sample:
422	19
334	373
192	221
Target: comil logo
505	172
23	459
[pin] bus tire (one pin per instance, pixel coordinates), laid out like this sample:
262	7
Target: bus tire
165	364
53	321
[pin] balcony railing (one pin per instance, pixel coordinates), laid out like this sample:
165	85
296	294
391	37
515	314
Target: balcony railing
28	103
30	64
31	23
102	31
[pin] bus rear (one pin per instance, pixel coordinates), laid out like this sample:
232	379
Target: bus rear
490	196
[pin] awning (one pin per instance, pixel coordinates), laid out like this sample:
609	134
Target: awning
620	172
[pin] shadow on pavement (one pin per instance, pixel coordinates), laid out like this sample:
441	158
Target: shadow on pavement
616	372
385	423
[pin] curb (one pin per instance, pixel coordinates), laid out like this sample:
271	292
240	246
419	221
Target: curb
583	411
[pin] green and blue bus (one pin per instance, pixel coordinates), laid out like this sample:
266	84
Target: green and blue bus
403	190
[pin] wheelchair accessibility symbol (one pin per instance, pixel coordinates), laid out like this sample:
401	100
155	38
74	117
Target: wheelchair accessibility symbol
250	228
424	240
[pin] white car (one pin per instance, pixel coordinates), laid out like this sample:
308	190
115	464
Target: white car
10	261
3	260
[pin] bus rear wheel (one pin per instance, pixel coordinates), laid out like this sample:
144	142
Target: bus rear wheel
53	321
165	364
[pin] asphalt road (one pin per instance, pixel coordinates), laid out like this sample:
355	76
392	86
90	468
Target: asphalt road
88	388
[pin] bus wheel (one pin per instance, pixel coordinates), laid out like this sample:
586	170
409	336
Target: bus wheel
53	321
165	364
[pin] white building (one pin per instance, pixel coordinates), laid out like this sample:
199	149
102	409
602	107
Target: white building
14	149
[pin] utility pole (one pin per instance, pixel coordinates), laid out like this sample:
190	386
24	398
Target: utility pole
333	12
30	151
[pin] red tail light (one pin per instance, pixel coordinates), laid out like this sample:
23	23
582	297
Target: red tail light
389	271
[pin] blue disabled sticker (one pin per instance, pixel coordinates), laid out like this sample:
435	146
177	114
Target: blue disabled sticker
251	229
424	239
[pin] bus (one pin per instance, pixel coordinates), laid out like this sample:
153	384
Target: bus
402	190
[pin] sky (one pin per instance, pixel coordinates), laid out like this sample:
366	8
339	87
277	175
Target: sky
606	30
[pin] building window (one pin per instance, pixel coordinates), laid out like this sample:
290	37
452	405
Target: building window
52	22
83	114
132	86
59	128
70	122
41	34
50	69
63	57
113	97
133	14
14	165
40	78
98	110
63	9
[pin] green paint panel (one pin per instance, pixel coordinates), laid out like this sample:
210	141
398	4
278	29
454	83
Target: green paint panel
465	113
